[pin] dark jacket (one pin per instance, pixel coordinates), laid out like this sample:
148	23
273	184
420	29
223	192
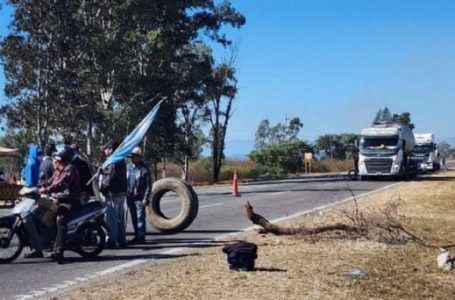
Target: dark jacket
45	169
85	174
114	178
143	184
64	186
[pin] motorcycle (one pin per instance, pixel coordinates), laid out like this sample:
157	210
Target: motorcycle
85	228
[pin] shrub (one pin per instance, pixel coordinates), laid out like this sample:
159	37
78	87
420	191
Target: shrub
333	165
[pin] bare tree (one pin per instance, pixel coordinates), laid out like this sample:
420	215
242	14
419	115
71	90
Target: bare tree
219	108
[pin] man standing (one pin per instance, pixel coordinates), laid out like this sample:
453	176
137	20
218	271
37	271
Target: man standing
138	194
45	168
113	191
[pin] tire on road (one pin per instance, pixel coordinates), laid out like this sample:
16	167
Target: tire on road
188	209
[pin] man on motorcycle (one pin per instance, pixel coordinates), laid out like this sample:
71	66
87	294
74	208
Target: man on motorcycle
63	186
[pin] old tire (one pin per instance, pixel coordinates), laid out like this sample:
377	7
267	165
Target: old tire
188	209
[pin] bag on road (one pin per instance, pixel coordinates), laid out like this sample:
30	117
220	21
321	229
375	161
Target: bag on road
241	255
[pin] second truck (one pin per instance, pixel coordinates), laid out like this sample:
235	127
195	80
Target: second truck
425	153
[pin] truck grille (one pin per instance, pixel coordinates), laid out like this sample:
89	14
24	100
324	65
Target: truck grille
378	165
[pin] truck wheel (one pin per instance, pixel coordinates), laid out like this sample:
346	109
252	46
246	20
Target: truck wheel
188	209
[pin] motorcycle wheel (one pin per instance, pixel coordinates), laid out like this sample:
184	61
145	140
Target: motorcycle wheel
10	249
92	242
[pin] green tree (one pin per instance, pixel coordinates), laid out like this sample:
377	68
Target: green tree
88	69
405	119
445	150
281	158
278	149
337	146
266	136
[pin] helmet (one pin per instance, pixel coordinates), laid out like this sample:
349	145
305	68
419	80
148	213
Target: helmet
136	151
63	153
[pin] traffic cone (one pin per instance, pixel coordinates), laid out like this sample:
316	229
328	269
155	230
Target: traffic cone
235	185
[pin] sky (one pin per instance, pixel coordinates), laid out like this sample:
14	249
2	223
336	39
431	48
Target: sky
335	63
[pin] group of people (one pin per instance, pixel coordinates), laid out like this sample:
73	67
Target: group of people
120	183
59	171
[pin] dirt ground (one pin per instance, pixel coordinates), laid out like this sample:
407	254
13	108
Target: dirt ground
329	267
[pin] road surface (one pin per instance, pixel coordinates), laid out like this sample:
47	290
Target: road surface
219	214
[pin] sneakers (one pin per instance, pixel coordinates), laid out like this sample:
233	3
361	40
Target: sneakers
110	244
34	254
137	241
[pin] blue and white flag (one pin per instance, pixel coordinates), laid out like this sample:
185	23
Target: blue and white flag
133	139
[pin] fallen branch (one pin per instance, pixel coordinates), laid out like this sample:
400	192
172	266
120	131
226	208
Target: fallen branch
384	227
280	230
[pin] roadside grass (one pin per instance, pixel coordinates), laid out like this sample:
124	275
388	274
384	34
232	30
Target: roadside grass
296	267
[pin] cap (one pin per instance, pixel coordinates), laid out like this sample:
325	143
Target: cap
136	151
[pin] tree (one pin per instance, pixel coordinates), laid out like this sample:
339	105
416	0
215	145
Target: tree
445	150
221	93
88	69
278	149
281	158
405	119
262	134
385	116
277	134
337	146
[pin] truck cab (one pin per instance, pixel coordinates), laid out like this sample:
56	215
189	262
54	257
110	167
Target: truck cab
425	153
384	151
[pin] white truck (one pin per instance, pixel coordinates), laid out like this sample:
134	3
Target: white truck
384	151
425	153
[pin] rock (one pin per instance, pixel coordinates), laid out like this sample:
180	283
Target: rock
446	261
356	273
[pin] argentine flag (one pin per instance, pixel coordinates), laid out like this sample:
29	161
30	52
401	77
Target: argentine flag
133	138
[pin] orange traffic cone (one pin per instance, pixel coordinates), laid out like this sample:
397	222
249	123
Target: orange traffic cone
235	186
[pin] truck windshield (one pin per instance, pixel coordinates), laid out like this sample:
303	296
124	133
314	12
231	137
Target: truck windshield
423	149
380	142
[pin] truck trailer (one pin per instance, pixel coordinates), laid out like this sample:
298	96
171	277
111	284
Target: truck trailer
385	150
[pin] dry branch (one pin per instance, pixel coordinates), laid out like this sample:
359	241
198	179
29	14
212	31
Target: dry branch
280	230
384	227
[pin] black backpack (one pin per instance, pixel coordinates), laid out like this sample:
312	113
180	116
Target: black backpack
241	255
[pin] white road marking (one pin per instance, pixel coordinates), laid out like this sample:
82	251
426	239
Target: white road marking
277	193
67	284
210	205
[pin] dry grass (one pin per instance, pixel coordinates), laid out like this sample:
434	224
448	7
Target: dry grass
293	267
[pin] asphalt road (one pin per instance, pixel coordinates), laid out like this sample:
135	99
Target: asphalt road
219	214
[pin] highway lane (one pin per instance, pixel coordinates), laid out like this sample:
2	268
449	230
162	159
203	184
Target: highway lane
219	214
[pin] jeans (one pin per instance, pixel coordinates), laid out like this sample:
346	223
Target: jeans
137	211
115	218
30	227
64	211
